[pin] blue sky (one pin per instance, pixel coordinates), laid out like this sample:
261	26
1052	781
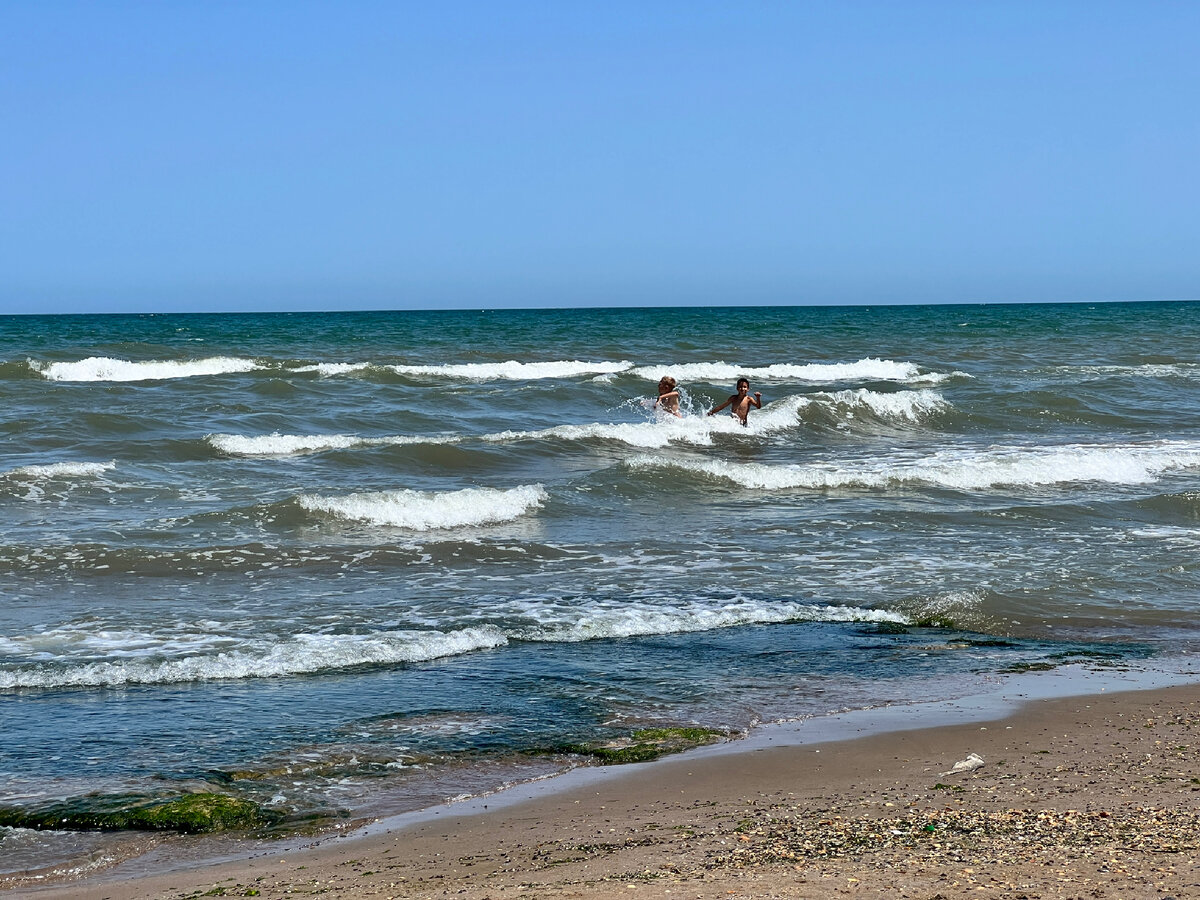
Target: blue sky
161	156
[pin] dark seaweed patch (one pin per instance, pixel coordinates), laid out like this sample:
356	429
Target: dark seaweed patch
187	813
642	745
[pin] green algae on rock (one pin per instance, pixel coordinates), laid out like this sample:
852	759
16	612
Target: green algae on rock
644	744
186	813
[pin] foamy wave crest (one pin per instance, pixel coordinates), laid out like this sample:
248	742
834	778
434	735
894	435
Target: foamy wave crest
515	371
630	620
780	415
58	470
210	654
910	406
753	475
898	406
334	368
869	369
427	510
103	368
298	655
293	444
647	435
1147	370
958	469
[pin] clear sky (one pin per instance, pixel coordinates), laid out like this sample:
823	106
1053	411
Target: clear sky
209	155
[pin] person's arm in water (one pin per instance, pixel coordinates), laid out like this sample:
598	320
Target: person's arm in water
717	409
670	403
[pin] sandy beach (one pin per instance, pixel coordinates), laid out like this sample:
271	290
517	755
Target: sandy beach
1095	796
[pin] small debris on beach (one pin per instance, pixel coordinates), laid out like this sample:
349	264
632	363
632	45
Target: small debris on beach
973	761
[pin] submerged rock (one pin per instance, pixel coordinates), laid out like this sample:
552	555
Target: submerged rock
645	744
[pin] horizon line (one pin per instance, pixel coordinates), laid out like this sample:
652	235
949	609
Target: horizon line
453	309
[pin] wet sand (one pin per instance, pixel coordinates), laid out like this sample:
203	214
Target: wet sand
1095	796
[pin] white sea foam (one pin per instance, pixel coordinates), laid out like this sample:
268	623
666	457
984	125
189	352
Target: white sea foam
261	659
864	369
900	406
426	510
1146	370
909	406
210	653
632	619
114	642
958	469
58	470
103	368
1177	535
292	444
280	444
333	368
694	430
514	371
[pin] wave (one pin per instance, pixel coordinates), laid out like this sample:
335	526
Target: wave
868	369
1146	370
171	561
103	368
956	469
1184	503
900	406
427	510
301	654
293	444
17	369
513	370
631	620
61	470
210	654
510	370
693	430
328	369
844	406
636	434
780	415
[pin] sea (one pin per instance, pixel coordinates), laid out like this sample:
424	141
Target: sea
349	564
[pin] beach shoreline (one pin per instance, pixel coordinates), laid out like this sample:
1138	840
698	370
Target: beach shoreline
1068	785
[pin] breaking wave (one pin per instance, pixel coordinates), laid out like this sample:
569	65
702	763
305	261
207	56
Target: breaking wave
292	444
844	406
211	654
869	369
957	469
103	368
1146	370
300	654
57	470
691	430
618	620
334	368
428	510
900	406
514	371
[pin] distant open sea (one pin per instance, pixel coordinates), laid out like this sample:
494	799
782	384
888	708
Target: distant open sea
354	563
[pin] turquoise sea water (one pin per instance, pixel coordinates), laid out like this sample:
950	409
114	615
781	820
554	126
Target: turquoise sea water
359	562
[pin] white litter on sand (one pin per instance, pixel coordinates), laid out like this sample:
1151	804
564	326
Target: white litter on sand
973	761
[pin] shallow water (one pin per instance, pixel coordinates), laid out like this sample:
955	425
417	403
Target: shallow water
342	562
